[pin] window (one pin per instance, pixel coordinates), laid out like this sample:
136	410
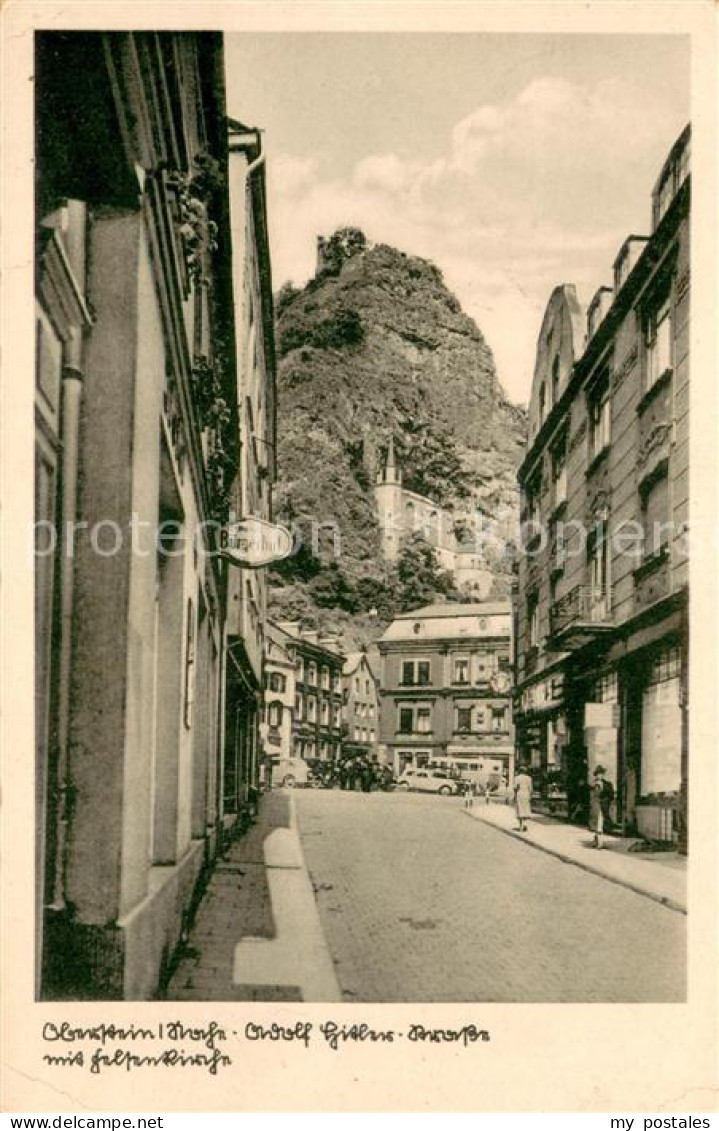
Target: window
424	720
357	686
312	710
499	719
655	515
301	670
415	720
312	673
336	715
325	713
367	687
461	671
533	620
598	549
542	402
600	418
299	707
416	672
464	720
326	678
406	720
274	714
555	380
658	342
559	469
277	682
336	681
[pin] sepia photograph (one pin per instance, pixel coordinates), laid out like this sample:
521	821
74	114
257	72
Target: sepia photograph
362	497
358	717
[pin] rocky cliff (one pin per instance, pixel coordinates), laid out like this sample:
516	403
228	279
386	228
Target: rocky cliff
376	346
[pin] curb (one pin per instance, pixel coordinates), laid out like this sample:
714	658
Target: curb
663	900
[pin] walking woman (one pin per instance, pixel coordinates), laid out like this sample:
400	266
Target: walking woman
601	795
523	797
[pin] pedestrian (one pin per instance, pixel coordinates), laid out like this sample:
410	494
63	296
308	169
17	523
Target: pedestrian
523	797
601	795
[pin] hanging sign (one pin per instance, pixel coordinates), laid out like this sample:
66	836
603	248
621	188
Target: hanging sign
253	543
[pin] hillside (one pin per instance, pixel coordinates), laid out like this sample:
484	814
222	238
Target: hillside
376	346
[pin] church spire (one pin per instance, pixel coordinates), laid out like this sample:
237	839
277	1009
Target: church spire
392	471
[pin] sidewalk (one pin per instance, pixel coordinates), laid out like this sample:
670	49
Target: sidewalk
257	935
661	876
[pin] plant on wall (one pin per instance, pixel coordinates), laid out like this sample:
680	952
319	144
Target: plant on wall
215	415
194	193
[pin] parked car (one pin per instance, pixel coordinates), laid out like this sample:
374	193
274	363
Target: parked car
290	772
428	781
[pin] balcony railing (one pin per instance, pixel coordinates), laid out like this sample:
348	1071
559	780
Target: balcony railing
585	611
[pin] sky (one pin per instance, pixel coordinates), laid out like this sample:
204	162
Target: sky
513	162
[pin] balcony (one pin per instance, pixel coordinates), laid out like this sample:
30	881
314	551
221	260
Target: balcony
581	616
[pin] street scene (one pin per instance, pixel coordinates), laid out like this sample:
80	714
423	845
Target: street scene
361	531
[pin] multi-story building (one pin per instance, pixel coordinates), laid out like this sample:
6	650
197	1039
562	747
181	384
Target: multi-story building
602	582
141	381
361	708
251	493
279	700
317	720
445	688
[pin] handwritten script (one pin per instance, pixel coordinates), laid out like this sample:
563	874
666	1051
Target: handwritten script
105	1047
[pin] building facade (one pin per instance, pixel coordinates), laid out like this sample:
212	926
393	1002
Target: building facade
402	513
446	689
139	387
602	642
361	709
279	699
251	490
317	719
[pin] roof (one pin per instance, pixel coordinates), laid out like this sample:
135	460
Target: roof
354	660
471	609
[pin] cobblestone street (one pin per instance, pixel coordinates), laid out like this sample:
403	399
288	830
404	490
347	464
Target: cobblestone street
420	904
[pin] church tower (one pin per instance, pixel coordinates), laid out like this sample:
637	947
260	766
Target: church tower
388	500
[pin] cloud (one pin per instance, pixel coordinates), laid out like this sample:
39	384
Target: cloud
527	193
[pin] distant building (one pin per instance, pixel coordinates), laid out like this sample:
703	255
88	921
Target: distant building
361	708
317	717
602	584
446	688
279	698
402	513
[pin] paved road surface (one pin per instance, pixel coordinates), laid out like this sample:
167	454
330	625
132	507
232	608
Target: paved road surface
419	904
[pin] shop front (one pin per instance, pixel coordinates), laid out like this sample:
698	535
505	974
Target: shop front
542	737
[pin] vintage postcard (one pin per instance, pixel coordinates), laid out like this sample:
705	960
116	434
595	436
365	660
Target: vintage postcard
359	579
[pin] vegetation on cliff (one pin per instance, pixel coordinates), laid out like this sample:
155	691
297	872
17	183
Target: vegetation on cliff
376	346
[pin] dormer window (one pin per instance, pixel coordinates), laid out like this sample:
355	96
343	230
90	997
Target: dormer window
673	175
542	402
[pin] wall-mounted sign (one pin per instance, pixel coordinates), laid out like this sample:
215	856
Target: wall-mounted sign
253	543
